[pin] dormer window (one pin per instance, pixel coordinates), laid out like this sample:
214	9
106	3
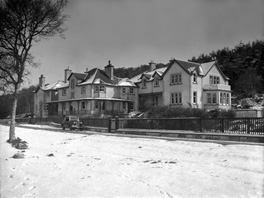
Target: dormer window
83	90
156	82
144	83
72	83
194	78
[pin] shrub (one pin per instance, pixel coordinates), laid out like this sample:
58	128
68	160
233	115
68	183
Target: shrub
176	112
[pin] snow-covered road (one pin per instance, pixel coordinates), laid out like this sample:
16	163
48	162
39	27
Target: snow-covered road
108	166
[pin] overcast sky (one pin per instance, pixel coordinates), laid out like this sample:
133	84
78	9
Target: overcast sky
133	32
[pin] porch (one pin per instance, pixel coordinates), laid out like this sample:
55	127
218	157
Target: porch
90	107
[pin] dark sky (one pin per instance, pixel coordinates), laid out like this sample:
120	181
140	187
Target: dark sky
133	32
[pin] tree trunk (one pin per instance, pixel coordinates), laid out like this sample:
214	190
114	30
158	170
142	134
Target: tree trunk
12	135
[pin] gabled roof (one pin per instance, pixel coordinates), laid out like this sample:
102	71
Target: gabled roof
95	75
208	66
189	67
125	82
149	75
52	86
78	76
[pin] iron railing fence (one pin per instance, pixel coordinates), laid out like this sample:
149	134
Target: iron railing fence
210	125
95	122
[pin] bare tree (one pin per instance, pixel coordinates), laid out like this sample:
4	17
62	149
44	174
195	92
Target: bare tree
23	23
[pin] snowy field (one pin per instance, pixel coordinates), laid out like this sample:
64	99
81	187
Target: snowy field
108	166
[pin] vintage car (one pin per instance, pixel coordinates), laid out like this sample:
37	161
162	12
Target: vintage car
72	122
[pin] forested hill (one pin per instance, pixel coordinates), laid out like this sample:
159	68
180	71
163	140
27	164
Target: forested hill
243	64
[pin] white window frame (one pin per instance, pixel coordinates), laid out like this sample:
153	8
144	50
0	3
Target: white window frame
63	92
96	88
83	90
72	83
131	90
214	80
176	98
209	98
144	83
194	78
124	105
123	90
156	82
195	97
83	105
102	88
176	78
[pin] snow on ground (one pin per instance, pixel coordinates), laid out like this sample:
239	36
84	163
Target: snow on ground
107	166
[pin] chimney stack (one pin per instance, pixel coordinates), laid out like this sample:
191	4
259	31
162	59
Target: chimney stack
109	70
86	71
152	66
41	81
67	73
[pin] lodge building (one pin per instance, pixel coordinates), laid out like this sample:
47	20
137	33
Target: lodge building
99	92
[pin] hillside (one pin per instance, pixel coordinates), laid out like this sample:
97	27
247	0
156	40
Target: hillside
243	64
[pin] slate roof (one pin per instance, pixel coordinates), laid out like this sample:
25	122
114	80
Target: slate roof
52	86
78	76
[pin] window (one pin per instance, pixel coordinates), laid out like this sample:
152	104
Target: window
224	98
194	97
48	93
214	80
102	88
221	98
211	98
227	99
96	88
194	78
124	106
144	83
83	90
214	98
123	90
64	92
96	104
72	95
72	83
131	90
176	79
176	98
155	100
156	82
83	105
